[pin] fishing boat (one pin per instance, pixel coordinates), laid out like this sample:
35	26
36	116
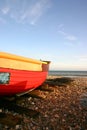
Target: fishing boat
19	75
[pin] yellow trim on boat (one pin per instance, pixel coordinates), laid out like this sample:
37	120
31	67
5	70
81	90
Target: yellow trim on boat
20	58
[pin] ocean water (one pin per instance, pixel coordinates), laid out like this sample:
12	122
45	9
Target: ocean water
68	73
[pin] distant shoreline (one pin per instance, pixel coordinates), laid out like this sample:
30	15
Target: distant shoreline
68	73
56	76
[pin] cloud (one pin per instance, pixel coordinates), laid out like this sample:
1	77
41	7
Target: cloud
36	11
66	35
82	58
62	33
5	10
61	26
25	11
71	37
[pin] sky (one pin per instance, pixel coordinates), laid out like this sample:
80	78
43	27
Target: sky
53	30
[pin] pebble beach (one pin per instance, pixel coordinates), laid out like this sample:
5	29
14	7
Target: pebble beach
60	103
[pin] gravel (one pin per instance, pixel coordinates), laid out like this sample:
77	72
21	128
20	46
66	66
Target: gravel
63	108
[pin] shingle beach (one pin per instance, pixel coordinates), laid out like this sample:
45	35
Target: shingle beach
60	104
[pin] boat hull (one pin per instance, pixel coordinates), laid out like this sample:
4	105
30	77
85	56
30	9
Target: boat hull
19	74
22	81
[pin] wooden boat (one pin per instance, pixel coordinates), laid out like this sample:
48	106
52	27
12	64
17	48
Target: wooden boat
19	75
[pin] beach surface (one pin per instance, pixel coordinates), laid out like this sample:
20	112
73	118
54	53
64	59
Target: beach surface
60	103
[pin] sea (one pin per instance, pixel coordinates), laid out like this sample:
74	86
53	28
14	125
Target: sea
68	73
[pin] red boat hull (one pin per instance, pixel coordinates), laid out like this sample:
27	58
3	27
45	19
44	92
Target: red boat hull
20	74
22	81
